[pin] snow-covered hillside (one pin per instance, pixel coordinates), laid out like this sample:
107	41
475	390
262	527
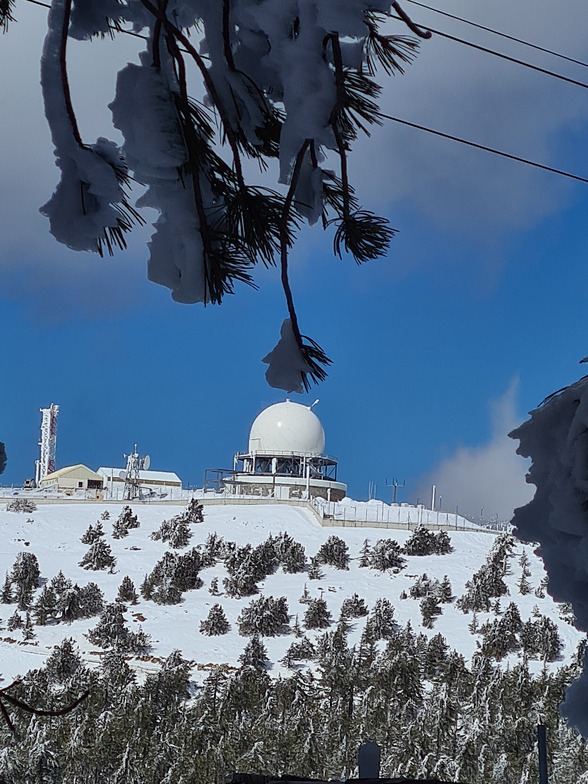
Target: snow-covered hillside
53	532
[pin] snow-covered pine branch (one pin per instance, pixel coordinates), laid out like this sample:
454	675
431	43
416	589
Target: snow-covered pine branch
291	82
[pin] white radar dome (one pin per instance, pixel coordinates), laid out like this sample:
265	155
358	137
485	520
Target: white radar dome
287	427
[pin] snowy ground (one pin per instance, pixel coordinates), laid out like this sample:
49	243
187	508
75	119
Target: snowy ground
53	534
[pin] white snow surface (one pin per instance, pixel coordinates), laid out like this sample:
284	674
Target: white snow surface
556	439
53	534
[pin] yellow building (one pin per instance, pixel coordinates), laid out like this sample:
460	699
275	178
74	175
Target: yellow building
76	479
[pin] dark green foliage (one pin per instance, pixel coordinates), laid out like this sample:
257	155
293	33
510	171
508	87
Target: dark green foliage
176	532
301	650
92	533
382	623
159	727
255	654
21	505
126	591
317	615
171	576
334	552
314	570
98	557
7	595
24	577
216	623
112	632
425	542
265	616
194	512
385	555
430	608
14	622
354	607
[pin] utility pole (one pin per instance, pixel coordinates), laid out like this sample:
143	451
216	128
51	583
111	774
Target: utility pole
395	484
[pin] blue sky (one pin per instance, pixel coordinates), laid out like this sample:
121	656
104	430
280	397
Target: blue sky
479	307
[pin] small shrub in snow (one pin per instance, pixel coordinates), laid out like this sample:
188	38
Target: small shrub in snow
21	505
14	622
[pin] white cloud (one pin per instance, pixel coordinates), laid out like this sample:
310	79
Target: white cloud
490	476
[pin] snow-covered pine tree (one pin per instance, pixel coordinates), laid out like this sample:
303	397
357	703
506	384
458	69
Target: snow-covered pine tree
299	650
7	594
213	589
176	532
45	609
63	662
24	577
314	570
126	591
421	542
382	623
265	616
216	622
306	597
99	556
92	533
445	590
333	552
430	608
354	607
364	554
111	631
443	544
385	555
28	630
105	515
194	512
255	654
317	615
14	622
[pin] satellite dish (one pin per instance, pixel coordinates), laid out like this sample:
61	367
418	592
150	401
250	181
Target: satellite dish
146	462
122	475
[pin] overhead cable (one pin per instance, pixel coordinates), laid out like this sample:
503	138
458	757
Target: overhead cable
502	35
492	150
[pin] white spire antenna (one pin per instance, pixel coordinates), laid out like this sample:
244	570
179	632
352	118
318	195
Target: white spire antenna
48	443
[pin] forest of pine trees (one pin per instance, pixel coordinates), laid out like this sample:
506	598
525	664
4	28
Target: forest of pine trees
432	715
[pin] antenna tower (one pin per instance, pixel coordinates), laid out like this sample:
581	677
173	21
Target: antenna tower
47	443
132	474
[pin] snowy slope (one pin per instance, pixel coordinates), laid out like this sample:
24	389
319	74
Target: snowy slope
53	534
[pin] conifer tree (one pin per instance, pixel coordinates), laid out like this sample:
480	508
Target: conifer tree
333	552
382	623
214	587
385	555
99	556
14	622
430	609
7	595
445	591
194	512
112	632
314	570
24	577
45	609
265	616
317	615
126	591
364	555
306	597
255	654
63	662
105	515
92	533
28	630
354	607
216	622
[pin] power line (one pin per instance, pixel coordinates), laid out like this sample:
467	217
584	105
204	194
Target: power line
492	150
502	35
502	56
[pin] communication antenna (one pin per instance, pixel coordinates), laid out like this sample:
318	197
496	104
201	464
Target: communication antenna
313	404
132	478
395	484
47	443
